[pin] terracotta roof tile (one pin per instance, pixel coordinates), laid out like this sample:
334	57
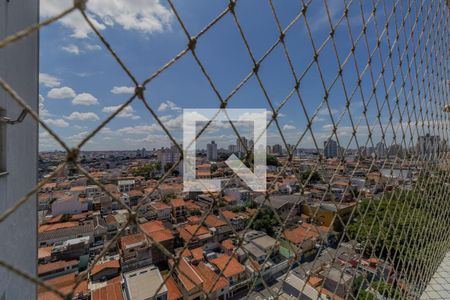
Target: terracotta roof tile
111	291
232	269
114	264
173	291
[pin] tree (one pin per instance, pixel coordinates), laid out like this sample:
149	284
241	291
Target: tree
265	221
315	177
272	161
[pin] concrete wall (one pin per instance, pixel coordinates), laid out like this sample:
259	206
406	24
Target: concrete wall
19	67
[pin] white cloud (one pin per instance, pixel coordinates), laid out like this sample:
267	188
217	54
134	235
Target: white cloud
57	122
61	93
49	80
84	99
127	112
122	90
73	49
288	127
92	47
78	137
168	105
80	116
138	130
43	112
147	16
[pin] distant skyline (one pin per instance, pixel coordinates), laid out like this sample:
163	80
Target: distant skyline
81	84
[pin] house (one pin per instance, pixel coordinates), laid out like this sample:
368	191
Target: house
124	186
215	286
162	235
60	232
237	220
105	271
305	237
57	268
64	284
218	227
297	288
190	283
134	197
144	283
173	291
259	245
135	252
179	211
233	271
70	249
111	291
195	235
162	210
286	206
328	214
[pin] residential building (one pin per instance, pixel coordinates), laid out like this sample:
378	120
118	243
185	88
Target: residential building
143	284
135	252
277	149
330	148
211	151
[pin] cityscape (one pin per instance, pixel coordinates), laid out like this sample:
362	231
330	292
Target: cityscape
222	256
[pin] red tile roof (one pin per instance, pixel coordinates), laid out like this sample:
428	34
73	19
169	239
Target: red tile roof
55	226
44	268
157	231
111	291
159	205
64	284
173	291
177	202
303	232
131	239
211	281
188	277
196	253
232	269
214	221
227	244
187	231
113	264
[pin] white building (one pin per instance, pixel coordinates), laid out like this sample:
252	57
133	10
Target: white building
330	148
211	151
124	186
143	284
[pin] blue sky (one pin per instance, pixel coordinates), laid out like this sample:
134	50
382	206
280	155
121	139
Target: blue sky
81	84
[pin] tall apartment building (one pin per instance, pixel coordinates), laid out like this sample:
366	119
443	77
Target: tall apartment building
277	149
428	146
169	156
19	63
380	150
330	148
211	151
241	146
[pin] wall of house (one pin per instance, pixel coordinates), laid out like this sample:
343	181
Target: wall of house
19	67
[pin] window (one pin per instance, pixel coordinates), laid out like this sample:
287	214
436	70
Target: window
2	144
